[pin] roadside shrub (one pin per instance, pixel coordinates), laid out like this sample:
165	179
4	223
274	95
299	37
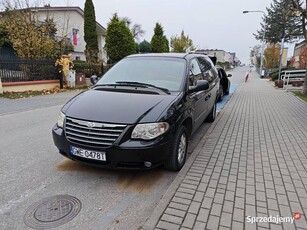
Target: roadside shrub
89	70
274	74
224	65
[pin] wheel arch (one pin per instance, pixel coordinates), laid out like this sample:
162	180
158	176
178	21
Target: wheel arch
188	124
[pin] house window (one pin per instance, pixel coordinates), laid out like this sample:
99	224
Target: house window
78	58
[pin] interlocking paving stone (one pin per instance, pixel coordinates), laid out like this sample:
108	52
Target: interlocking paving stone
194	207
168	226
181	200
199	226
213	222
237	225
198	196
175	212
184	228
226	219
253	162
189	220
203	215
229	195
172	219
184	195
238	215
207	202
178	206
216	209
228	206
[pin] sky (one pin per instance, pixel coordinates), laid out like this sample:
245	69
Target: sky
211	24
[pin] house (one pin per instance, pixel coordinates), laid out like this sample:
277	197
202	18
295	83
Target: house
221	55
70	24
284	57
298	48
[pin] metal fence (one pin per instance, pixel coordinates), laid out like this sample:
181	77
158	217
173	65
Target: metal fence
14	69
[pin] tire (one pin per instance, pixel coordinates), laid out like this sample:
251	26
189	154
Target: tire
227	89
212	114
178	151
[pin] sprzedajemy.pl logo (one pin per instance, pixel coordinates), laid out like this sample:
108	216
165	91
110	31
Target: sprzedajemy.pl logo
273	219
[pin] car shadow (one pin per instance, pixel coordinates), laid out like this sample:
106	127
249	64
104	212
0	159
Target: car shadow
137	181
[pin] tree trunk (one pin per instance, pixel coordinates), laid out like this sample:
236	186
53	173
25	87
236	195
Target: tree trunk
304	91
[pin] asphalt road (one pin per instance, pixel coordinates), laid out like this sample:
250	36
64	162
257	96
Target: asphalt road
32	169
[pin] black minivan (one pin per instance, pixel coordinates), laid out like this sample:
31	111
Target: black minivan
141	113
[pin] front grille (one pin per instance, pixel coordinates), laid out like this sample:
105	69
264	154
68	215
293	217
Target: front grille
92	134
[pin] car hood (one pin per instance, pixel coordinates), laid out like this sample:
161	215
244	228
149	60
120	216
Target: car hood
117	107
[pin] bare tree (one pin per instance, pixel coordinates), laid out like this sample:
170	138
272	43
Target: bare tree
136	29
20	4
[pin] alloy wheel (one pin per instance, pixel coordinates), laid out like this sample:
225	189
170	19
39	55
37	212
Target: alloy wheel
182	148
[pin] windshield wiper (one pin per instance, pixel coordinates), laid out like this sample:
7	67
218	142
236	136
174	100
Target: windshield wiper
135	83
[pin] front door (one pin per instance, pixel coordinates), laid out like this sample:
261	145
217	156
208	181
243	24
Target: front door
198	99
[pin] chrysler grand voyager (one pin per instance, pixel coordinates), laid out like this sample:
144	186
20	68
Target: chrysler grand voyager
141	113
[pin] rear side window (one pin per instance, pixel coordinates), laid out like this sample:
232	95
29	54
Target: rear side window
206	67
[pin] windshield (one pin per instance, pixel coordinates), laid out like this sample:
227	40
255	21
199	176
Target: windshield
166	73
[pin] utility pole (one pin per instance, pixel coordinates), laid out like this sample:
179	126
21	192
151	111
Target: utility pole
263	37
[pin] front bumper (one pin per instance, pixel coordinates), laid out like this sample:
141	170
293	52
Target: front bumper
126	155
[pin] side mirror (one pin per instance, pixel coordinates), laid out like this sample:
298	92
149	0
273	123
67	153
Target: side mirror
200	86
94	79
229	75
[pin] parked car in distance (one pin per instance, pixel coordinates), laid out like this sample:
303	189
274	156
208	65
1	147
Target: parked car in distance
224	83
141	113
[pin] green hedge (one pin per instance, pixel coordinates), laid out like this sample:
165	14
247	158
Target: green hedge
86	69
274	74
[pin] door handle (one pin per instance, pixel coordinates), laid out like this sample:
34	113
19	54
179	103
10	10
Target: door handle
207	97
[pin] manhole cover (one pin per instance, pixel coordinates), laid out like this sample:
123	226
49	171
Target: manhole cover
52	212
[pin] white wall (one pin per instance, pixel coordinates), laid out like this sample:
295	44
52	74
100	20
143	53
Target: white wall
68	20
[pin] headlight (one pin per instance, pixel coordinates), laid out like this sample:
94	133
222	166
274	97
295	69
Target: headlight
149	131
61	119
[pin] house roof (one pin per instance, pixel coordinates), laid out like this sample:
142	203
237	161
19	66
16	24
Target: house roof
210	50
63	8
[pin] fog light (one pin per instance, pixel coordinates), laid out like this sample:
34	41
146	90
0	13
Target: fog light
147	164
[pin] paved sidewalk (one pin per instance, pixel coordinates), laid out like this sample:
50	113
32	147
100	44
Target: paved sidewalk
252	162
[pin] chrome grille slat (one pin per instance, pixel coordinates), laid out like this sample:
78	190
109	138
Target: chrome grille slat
94	134
105	125
92	137
82	127
87	141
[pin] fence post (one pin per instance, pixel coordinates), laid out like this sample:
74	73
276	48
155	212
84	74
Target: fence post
102	69
1	88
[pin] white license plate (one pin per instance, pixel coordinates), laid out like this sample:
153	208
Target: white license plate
88	154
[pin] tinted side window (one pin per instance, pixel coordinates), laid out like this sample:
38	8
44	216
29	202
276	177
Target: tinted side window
195	73
207	70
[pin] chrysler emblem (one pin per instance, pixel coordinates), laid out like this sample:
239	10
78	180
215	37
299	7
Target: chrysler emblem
91	124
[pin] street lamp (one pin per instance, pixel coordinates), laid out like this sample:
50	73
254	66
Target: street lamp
263	37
